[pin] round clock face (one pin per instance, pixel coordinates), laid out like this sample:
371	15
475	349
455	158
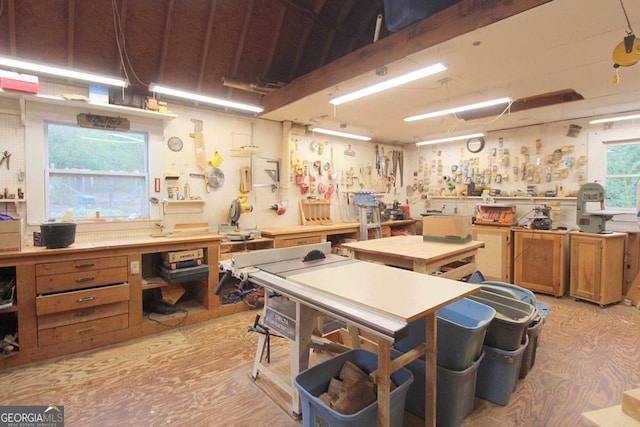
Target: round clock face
175	143
475	145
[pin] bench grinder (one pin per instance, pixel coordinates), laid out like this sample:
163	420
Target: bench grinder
592	221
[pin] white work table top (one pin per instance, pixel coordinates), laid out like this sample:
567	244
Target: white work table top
413	247
397	292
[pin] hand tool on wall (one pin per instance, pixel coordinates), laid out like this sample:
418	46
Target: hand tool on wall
245	179
377	160
201	158
6	156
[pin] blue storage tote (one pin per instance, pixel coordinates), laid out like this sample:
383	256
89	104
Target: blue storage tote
454	396
462	326
509	326
498	373
402	13
529	356
314	381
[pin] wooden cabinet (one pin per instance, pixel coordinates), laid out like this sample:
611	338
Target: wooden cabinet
81	298
597	267
540	260
495	260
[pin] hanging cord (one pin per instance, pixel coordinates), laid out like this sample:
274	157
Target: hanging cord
120	42
627	18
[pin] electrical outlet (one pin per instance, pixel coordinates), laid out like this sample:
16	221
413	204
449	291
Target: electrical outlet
135	267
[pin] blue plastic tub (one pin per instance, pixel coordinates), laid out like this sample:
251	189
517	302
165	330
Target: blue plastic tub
498	373
315	381
462	326
455	393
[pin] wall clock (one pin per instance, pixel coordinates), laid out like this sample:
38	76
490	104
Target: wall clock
175	143
475	145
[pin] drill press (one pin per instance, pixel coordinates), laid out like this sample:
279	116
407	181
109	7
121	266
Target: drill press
592	221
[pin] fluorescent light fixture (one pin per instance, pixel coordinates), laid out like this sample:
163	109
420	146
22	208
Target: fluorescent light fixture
458	109
68	73
154	87
614	119
450	139
342	134
397	81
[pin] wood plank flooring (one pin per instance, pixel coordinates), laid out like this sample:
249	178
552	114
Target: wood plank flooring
199	375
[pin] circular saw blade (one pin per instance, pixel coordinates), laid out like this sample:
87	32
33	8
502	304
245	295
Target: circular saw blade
234	212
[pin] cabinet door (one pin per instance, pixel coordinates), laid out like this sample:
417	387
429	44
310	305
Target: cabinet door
586	265
539	262
494	260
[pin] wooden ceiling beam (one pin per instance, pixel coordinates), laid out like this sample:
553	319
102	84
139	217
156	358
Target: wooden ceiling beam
207	44
11	6
274	42
241	43
464	17
165	40
71	29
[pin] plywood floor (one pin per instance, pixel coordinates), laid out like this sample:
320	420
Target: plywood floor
200	376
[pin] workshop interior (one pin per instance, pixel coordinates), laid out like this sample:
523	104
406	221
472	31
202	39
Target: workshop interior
401	211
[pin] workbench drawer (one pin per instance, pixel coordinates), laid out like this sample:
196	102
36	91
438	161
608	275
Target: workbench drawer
55	320
75	300
80	280
299	241
82	330
88	264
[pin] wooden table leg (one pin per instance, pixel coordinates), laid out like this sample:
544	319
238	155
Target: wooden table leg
384	383
431	370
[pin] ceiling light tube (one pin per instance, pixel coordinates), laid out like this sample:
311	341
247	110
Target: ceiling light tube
342	134
68	73
450	139
458	109
614	119
397	81
153	87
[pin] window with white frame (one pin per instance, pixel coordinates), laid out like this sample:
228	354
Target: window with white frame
95	170
622	173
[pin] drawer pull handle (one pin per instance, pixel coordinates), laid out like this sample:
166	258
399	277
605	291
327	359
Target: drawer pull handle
85	279
89	265
86	331
85	299
85	312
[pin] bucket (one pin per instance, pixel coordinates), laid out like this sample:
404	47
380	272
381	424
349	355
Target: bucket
58	234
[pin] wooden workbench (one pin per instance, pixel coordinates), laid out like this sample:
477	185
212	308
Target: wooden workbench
450	260
297	235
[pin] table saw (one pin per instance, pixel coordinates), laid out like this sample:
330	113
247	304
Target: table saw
375	298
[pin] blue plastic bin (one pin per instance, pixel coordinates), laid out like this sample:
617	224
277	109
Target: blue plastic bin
455	393
498	373
462	326
315	381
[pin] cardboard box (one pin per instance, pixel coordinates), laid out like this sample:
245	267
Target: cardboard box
19	82
10	236
446	228
171	293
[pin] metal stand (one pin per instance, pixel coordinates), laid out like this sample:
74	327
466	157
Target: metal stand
365	224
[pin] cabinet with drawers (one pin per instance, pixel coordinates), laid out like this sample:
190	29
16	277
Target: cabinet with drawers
81	298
